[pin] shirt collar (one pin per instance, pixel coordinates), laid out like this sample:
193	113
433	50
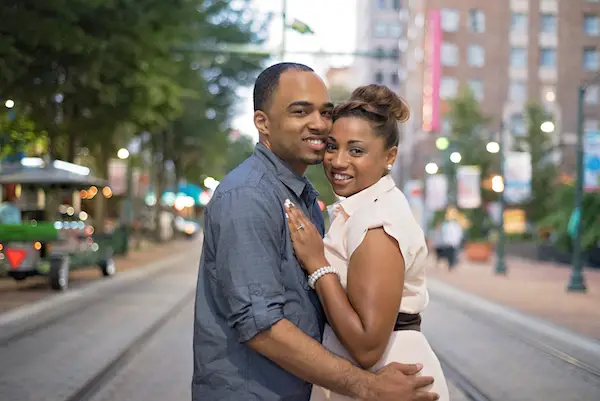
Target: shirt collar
296	183
368	195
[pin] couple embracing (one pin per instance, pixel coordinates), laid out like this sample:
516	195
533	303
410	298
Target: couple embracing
285	311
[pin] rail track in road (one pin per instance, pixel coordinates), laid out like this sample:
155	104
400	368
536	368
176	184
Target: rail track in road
77	306
112	369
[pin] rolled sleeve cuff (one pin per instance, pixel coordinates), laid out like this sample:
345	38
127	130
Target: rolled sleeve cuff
260	315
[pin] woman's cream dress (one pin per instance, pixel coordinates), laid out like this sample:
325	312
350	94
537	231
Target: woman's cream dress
384	205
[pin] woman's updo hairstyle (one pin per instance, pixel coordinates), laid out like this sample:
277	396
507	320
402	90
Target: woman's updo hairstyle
379	105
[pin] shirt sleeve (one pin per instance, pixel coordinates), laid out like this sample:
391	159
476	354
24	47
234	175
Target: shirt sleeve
248	259
402	227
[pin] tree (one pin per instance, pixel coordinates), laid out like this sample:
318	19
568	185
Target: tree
544	172
339	94
469	136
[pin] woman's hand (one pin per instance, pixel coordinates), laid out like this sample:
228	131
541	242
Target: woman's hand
307	240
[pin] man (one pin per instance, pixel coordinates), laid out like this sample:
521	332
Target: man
258	326
9	212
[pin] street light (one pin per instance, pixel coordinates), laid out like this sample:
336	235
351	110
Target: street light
123	154
577	282
442	143
547	127
455	157
500	263
431	168
492	147
9	104
497	184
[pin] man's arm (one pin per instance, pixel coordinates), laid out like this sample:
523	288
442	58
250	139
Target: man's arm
249	225
293	350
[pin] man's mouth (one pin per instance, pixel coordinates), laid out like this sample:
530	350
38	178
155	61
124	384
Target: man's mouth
316	144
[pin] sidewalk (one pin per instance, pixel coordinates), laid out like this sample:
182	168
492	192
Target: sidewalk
536	288
17	293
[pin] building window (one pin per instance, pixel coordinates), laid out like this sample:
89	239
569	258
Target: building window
517	125
590	125
448	87
449	54
547	23
590	59
395	53
547	57
379	77
450	19
476	20
591	24
476	55
518	57
380	4
397	5
395	30
394	78
380	30
476	87
591	94
518	23
517	91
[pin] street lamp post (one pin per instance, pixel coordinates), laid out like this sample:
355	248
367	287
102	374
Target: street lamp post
123	154
500	262
577	281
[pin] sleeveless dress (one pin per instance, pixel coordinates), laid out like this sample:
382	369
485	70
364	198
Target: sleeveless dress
383	205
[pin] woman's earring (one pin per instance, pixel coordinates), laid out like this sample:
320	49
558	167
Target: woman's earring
389	167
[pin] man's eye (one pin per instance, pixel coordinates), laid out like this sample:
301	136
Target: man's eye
327	114
299	112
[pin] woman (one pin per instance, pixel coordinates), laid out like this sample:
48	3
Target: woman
369	271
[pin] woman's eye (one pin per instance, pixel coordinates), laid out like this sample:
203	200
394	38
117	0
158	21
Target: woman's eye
330	146
356	152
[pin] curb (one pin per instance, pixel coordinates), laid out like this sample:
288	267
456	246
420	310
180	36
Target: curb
59	299
530	322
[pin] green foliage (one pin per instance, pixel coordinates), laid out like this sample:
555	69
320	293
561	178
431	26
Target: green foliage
544	173
19	134
562	204
469	136
317	177
339	94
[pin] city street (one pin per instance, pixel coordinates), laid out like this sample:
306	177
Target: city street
130	339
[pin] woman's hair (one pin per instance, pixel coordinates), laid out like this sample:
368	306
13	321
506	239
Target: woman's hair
380	106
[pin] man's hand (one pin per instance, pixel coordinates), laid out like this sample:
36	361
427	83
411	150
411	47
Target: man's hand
397	382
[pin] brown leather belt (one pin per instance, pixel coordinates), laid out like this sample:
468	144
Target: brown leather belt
408	321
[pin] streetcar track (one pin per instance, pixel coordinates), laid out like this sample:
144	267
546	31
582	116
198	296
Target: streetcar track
110	370
532	342
466	386
79	306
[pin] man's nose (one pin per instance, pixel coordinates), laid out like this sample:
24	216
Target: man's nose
320	124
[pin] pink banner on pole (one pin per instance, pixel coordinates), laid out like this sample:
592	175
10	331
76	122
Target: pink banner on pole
433	72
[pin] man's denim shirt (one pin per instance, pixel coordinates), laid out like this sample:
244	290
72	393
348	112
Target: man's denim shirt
248	280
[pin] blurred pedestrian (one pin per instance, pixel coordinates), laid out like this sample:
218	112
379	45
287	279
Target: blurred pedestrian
452	236
9	212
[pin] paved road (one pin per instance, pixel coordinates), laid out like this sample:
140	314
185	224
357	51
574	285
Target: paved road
52	361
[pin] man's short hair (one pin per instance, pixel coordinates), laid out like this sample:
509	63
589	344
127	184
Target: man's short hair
268	81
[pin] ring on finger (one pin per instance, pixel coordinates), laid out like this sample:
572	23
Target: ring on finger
300	227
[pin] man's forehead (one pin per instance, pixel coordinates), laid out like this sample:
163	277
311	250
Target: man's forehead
301	85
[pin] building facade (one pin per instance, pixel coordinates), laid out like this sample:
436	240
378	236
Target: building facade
507	52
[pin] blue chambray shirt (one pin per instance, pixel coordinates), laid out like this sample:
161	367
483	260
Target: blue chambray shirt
248	280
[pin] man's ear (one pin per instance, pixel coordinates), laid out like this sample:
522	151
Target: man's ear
261	122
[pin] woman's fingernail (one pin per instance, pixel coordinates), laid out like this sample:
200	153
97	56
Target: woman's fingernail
286	216
288	203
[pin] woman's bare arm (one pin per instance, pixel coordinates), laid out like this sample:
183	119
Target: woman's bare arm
364	317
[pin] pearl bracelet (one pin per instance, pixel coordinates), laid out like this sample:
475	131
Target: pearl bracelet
320	272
